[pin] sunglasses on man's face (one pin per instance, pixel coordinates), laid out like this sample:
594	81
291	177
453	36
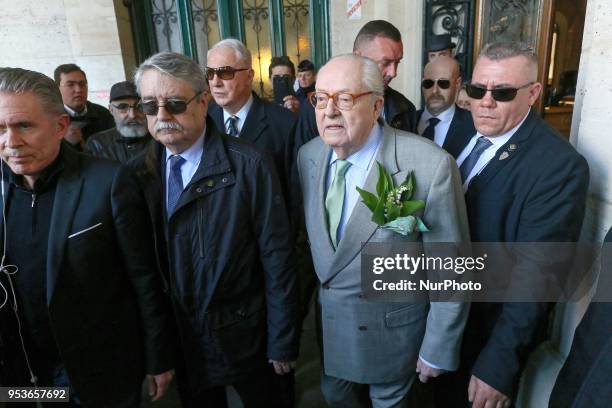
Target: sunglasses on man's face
172	106
442	83
499	94
224	73
124	106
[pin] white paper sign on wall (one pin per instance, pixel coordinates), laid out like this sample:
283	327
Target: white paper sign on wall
353	9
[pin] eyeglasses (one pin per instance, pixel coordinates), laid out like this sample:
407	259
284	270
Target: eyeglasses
172	106
499	94
125	107
342	100
224	73
442	83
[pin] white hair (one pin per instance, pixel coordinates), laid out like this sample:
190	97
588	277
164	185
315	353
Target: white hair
175	65
241	52
371	78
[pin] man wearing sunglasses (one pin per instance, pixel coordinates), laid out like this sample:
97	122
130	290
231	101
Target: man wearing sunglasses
223	238
130	136
523	183
443	122
239	112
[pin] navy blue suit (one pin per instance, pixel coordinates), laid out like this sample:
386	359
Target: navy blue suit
270	128
533	190
459	132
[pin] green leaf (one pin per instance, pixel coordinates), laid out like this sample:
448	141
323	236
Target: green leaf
378	215
382	186
390	182
410	207
409	183
369	199
393	213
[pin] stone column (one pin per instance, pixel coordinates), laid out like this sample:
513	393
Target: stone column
40	35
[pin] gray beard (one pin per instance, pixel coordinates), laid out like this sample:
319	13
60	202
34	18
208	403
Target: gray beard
132	130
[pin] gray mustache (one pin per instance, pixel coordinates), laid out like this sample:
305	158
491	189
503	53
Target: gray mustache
167	125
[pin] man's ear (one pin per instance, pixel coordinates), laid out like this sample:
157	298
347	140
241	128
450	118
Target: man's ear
62	124
534	92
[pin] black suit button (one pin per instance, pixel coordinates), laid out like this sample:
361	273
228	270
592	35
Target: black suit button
363	328
325	286
198	190
240	313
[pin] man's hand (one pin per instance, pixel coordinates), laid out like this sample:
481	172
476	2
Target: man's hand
482	395
282	367
426	372
292	103
158	384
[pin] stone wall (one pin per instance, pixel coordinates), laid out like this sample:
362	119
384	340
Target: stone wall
41	35
407	16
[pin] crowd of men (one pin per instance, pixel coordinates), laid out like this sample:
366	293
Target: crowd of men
195	250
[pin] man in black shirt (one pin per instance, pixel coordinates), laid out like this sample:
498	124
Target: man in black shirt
84	304
130	136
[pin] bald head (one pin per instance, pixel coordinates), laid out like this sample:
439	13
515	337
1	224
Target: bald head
448	65
441	82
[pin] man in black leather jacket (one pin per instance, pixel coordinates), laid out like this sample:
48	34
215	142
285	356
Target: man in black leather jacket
130	136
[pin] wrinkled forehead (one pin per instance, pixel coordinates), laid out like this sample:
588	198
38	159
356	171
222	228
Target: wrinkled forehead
155	84
340	76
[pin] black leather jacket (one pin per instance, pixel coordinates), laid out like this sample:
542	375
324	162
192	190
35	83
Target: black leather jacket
111	145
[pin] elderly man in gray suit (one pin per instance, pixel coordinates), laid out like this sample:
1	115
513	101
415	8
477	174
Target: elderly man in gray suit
373	351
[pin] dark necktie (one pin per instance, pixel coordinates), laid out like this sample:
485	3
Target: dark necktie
470	161
430	130
175	182
232	126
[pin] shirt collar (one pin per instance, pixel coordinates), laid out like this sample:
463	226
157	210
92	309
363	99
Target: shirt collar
193	154
242	113
74	114
363	157
445	116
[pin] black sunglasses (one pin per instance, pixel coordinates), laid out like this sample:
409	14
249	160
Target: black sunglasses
442	83
124	107
499	94
172	106
224	73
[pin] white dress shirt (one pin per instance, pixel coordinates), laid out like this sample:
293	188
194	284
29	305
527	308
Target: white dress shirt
74	114
441	128
361	163
241	115
192	157
488	154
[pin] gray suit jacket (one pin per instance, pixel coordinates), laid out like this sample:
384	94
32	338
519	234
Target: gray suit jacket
368	342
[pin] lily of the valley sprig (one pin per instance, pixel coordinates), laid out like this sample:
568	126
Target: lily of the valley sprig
392	207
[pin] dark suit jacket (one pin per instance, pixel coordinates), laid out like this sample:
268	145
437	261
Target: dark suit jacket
533	190
585	379
459	132
105	299
270	128
229	261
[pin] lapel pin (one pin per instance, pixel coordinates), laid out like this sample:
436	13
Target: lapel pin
503	156
512	147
